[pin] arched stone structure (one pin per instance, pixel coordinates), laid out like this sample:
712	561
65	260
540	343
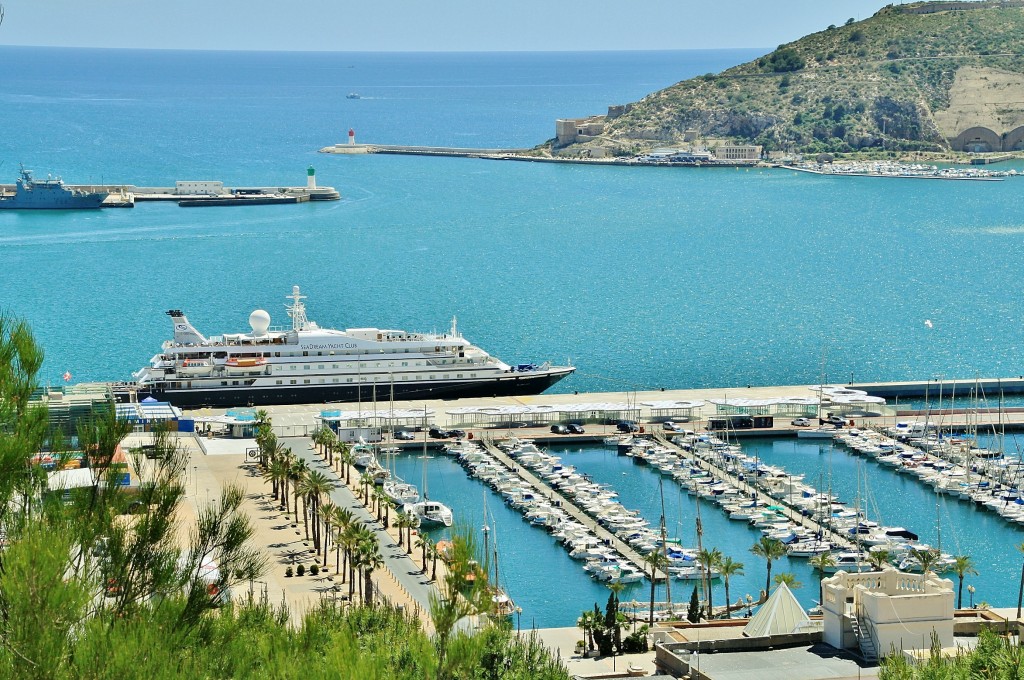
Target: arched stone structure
1014	139
977	139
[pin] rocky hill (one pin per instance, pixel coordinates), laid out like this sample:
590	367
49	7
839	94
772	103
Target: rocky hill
930	76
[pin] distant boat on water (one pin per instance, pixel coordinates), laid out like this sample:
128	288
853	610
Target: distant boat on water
353	95
48	194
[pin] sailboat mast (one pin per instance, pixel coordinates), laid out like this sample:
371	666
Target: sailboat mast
664	545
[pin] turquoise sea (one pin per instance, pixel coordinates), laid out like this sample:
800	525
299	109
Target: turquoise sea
643	277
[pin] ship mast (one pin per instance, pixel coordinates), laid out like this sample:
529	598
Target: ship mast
297	310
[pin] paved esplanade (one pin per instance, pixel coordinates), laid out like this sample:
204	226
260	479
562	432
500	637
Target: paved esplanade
405	571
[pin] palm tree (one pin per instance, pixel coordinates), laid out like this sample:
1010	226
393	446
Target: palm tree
657	562
709	559
926	558
315	485
770	549
728	568
326	516
424	543
789	578
435	552
371	560
962	565
401	522
339	521
299	468
821	562
365	482
879	559
350	539
347	460
587	622
277	473
1020	594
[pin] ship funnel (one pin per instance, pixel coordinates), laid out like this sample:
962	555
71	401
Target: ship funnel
184	332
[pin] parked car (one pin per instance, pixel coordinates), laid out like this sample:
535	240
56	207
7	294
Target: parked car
575	428
404	435
458	434
627	426
438	433
671	427
802	422
836	420
559	429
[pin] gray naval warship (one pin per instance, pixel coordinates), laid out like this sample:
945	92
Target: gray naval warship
48	194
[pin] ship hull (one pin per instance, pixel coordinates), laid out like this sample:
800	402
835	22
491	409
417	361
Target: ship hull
505	386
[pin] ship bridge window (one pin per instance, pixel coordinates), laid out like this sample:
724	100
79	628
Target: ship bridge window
305	382
277	354
305	368
350	380
320	366
319	354
291	382
305	354
280	382
405	363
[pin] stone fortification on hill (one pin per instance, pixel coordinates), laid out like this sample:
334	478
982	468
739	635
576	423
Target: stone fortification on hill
930	76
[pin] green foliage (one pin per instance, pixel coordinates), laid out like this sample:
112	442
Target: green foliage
784	60
994	657
96	584
908	59
693	609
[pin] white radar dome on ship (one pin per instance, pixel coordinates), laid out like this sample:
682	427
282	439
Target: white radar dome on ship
260	322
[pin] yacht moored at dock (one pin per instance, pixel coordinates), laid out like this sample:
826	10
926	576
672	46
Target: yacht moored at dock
308	364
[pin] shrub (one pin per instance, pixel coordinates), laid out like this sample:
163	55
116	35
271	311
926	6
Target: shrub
635	643
856	35
314	570
301	571
288	573
785	60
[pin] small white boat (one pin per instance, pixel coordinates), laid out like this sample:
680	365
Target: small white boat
429	513
817	433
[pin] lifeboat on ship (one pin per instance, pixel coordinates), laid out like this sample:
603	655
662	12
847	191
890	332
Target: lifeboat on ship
194	367
244	364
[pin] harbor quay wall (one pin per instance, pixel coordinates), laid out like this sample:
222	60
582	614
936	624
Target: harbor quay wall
690	409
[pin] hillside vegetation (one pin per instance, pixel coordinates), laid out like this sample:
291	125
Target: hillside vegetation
874	84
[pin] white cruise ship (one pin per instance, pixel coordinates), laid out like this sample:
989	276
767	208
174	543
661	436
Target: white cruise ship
309	364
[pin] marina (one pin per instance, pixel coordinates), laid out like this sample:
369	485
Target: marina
764	468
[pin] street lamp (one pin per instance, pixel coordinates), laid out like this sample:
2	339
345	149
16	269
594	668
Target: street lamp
970	589
519	620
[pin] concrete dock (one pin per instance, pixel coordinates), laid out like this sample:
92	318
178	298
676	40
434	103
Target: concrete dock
754	492
566	504
301	419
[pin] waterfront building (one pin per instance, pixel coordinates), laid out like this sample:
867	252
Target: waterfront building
881	611
737	152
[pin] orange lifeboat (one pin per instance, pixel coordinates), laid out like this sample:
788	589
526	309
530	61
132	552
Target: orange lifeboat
246	362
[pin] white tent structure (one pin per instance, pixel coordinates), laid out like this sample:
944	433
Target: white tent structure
781	614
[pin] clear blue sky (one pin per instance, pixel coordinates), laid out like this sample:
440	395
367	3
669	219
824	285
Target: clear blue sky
415	25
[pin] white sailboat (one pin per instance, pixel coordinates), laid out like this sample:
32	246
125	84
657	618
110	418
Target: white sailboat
503	605
430	513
